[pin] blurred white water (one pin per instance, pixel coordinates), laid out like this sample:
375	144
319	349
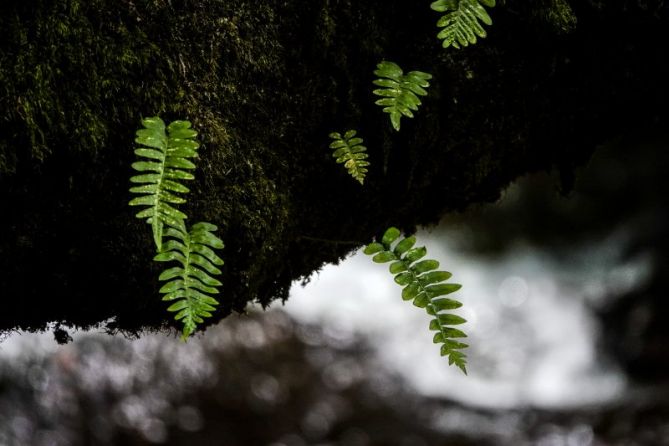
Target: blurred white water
532	333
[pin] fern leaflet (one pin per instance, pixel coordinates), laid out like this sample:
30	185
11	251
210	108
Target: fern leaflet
400	92
350	151
425	286
191	284
461	23
166	152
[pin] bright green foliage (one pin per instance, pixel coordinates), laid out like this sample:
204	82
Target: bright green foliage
425	286
400	92
350	151
461	23
191	284
166	152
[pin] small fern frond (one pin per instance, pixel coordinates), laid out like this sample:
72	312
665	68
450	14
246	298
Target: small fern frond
166	153
400	92
191	284
350	151
462	22
425	286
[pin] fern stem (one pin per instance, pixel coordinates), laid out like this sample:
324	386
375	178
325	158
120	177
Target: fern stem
184	277
156	218
414	279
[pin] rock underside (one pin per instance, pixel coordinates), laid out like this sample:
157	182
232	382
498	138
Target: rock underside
264	83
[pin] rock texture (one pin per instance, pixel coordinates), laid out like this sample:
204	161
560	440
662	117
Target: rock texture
264	82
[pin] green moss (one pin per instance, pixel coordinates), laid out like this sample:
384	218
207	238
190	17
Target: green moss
86	72
264	83
87	69
560	16
556	16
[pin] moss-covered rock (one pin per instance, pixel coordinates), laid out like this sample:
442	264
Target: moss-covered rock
264	82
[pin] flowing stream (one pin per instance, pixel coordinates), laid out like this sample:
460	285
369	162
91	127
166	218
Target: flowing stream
531	330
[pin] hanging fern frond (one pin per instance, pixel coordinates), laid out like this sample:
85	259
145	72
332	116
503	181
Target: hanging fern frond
350	151
400	92
191	284
166	152
462	22
425	286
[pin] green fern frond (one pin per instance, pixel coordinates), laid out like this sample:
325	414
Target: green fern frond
462	22
166	152
400	92
425	286
350	151
191	284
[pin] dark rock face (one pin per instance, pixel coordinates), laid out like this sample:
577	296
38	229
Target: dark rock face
264	82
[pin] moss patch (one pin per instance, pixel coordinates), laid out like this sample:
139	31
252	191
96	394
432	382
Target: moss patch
264	83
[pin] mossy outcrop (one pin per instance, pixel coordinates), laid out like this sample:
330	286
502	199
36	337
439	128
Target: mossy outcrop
265	82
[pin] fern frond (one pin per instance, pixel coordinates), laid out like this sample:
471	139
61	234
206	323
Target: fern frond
166	153
425	286
191	284
462	22
400	92
350	151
